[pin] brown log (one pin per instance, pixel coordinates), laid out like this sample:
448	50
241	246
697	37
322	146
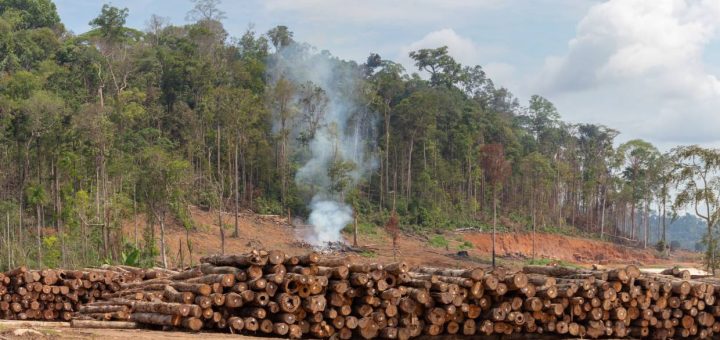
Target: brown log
196	288
242	260
76	323
156	319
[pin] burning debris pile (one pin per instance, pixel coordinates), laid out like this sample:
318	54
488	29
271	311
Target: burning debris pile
271	293
328	248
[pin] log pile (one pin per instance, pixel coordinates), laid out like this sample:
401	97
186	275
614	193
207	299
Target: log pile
313	296
54	294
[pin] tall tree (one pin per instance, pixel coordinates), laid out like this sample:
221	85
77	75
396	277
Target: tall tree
696	174
280	36
443	69
496	169
281	96
161	184
636	159
206	10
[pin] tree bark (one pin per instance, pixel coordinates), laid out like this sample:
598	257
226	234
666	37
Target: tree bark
236	233
39	235
632	219
161	219
664	230
220	223
409	168
494	225
602	215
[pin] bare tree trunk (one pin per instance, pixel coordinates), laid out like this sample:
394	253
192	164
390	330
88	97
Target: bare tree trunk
494	225
632	220
664	230
602	216
7	240
646	218
355	230
533	237
222	230
387	147
161	219
97	189
218	153
21	226
58	216
39	235
189	245
182	257
236	233
135	222
409	168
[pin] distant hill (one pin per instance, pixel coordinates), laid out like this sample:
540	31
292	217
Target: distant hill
687	229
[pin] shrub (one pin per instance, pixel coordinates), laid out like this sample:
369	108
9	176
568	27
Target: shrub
268	206
438	241
465	245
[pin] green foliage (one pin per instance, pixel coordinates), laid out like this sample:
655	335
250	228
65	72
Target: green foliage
35	194
661	246
31	13
438	241
696	174
444	70
120	122
368	254
268	206
339	173
465	245
51	251
130	256
364	228
110	22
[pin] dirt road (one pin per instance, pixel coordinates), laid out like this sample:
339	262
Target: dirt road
18	330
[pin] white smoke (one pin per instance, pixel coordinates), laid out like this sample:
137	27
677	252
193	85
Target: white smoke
346	134
326	217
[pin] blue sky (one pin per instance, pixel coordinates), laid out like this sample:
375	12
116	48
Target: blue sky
647	68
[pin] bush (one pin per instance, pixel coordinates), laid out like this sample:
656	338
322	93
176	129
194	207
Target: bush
368	254
439	241
364	228
130	256
268	206
51	251
465	245
661	246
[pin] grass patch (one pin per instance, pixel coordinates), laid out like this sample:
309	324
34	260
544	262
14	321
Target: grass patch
438	241
368	229
368	254
465	245
49	332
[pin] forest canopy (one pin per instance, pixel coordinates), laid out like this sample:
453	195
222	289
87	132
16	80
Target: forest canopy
101	126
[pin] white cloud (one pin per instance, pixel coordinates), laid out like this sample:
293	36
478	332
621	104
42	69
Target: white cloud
638	66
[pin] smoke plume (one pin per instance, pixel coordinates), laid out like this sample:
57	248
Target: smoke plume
334	155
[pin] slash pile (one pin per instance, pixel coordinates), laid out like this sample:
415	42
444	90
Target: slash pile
268	292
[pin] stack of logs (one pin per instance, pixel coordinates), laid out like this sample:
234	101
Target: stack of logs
316	296
52	294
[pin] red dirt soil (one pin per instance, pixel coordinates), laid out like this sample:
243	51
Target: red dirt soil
272	232
560	247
